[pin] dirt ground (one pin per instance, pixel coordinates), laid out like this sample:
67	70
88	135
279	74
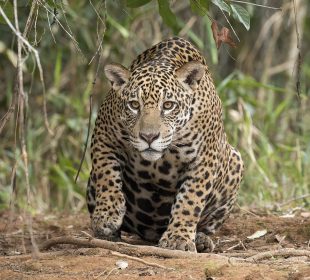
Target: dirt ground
229	261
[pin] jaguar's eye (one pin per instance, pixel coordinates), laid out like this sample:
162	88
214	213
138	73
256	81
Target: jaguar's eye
168	105
134	105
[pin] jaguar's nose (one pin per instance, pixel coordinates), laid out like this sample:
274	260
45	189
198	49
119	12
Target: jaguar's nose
149	137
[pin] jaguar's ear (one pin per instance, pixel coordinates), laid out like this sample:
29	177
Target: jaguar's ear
117	74
190	74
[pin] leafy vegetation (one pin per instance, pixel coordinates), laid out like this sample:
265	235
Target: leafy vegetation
264	117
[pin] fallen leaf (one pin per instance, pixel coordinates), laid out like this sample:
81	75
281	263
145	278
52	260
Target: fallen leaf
305	214
221	37
121	264
279	238
257	234
288	216
15	253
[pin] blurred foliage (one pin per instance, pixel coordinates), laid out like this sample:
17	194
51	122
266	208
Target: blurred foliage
256	82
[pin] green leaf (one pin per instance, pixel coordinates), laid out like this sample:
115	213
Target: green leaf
200	7
121	29
57	70
241	14
167	15
53	4
222	5
8	10
136	3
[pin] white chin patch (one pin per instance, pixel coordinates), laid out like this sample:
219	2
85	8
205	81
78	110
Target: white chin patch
151	155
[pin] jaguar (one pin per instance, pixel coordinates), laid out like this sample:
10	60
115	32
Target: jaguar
162	167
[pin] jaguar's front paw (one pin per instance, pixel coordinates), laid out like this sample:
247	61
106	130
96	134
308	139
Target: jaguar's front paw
106	230
107	234
176	242
204	243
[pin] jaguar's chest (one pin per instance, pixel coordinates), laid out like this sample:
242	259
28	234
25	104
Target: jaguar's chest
150	189
143	176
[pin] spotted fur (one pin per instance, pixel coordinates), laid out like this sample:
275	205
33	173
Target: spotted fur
161	163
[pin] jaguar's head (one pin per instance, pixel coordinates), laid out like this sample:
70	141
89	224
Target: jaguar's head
155	102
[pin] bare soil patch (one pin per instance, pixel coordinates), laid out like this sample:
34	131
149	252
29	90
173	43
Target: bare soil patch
231	259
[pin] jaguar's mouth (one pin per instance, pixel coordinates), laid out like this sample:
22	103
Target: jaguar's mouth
150	150
151	154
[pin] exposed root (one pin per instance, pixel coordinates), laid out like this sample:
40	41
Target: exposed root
124	248
130	251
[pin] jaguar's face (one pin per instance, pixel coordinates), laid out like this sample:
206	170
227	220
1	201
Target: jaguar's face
151	119
156	102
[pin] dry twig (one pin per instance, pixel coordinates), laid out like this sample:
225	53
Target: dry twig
68	32
287	252
294	199
87	135
239	255
239	244
299	62
246	211
89	118
99	54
